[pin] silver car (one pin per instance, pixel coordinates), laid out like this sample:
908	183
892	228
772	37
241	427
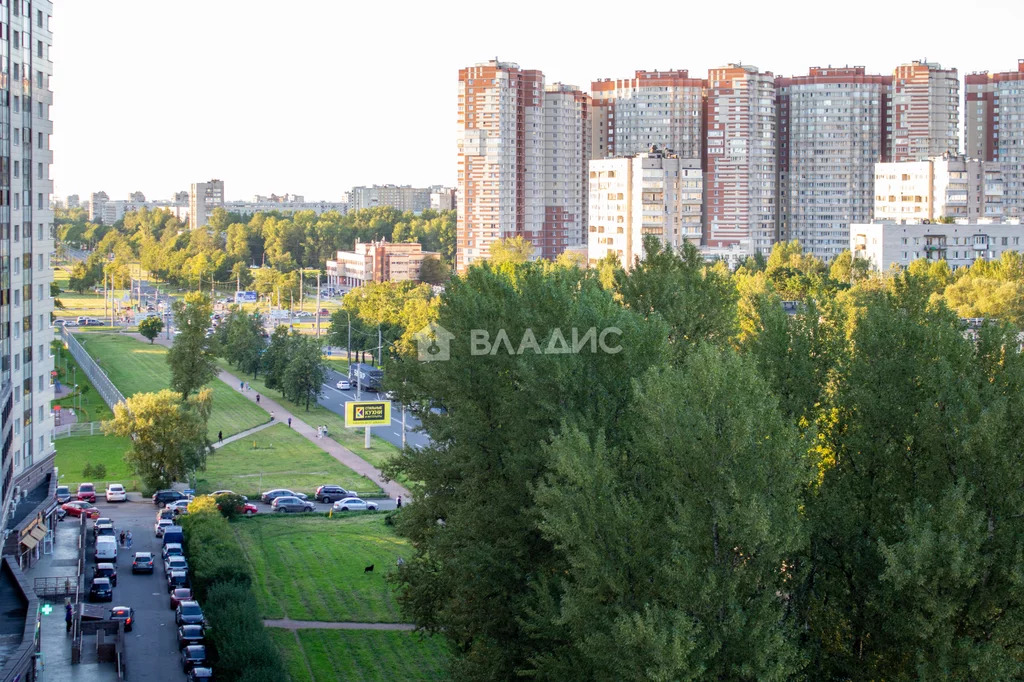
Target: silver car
354	504
292	504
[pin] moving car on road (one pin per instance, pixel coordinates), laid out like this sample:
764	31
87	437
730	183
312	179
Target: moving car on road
332	493
190	634
101	590
189	613
142	562
344	385
125	613
354	504
292	504
271	495
163	497
80	508
86	493
193	655
116	493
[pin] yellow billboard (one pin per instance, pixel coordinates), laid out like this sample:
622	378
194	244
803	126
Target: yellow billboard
367	413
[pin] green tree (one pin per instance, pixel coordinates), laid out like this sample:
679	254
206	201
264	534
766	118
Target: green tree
511	251
151	327
244	344
434	271
168	434
847	269
192	364
276	358
306	371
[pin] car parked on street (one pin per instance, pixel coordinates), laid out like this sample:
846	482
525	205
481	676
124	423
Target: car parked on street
332	493
179	507
177	579
161	526
116	493
106	548
163	497
189	613
354	504
200	673
101	590
250	509
86	493
292	504
103	526
271	495
180	594
106	570
142	562
77	509
193	655
175	563
63	494
124	613
215	493
172	549
190	634
165	514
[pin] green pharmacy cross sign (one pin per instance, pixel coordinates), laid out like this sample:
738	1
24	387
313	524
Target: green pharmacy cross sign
47	609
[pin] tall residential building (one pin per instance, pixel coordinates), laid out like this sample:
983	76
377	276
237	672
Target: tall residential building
73	201
202	199
832	129
662	108
442	198
740	160
653	193
97	200
995	127
925	111
948	186
400	197
26	246
961	244
566	153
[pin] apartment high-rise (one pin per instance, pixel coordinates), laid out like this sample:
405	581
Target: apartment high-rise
740	160
26	247
202	199
925	111
662	108
832	129
400	197
995	128
948	186
566	153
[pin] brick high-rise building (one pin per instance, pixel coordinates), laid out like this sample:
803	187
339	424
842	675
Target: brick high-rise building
740	160
832	129
995	128
662	108
504	161
925	111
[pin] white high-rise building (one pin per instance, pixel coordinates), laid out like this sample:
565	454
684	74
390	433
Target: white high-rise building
566	153
960	244
202	199
948	186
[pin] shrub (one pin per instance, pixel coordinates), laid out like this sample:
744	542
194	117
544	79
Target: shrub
242	646
99	471
231	505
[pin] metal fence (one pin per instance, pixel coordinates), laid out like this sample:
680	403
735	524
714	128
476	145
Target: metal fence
79	429
97	376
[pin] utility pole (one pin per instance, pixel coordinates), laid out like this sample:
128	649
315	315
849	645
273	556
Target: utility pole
317	313
104	293
238	282
348	345
302	286
380	345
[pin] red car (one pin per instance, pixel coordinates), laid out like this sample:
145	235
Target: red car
87	493
249	509
80	509
180	594
324	312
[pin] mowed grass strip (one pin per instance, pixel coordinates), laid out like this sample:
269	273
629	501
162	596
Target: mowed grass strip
287	642
311	567
138	367
373	655
74	452
281	459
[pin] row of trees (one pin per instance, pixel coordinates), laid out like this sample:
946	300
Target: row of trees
729	491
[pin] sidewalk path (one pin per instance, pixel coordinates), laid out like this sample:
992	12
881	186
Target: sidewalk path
328	445
289	624
243	434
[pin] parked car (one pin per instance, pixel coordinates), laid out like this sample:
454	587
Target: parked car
103	526
193	655
303	313
63	494
116	493
174	534
324	312
80	508
106	548
189	613
344	385
332	493
161	526
215	493
142	562
125	613
177	579
172	549
250	509
272	495
200	673
292	504
105	570
180	594
175	563
162	497
86	493
190	634
180	506
354	504
165	514
101	590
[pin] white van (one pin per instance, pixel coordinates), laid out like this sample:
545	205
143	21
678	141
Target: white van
106	548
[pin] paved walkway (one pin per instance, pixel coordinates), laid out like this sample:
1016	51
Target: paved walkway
243	434
328	445
289	624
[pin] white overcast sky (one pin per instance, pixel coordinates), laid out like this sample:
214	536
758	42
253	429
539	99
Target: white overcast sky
315	97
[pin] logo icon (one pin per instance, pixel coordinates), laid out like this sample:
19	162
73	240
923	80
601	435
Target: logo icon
432	343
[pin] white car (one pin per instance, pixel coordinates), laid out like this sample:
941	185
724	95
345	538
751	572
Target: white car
353	504
179	507
215	493
161	526
116	493
344	385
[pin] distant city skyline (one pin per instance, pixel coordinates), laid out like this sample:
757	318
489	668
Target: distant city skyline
317	101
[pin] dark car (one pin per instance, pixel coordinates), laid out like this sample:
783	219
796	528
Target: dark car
332	493
180	594
101	590
163	497
125	613
189	613
142	563
177	579
165	514
193	655
63	494
86	493
190	634
199	674
272	495
292	504
106	571
103	526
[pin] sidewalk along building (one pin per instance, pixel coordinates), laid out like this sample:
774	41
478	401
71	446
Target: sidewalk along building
959	244
377	261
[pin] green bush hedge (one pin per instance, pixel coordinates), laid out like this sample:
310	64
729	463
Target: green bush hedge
240	648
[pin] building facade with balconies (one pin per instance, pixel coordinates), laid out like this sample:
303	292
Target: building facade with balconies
960	244
947	186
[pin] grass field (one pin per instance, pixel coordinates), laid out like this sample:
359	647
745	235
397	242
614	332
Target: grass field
75	452
311	567
93	408
283	459
361	655
136	367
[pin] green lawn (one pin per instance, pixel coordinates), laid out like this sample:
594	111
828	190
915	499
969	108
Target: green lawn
136	367
282	459
93	408
311	567
75	452
369	655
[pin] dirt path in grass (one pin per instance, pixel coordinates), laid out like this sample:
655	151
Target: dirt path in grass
289	624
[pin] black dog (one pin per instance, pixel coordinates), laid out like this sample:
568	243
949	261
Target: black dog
368	569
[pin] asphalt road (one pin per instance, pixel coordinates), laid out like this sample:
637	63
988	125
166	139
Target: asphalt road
334	399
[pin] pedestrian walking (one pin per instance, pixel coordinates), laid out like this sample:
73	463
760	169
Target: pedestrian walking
122	538
319	432
257	398
241	385
289	422
398	504
220	436
68	614
128	539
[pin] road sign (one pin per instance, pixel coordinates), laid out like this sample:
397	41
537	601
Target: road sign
246	297
367	413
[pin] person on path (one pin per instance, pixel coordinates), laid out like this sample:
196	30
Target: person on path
122	538
257	398
220	436
68	611
128	539
241	385
398	505
289	422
